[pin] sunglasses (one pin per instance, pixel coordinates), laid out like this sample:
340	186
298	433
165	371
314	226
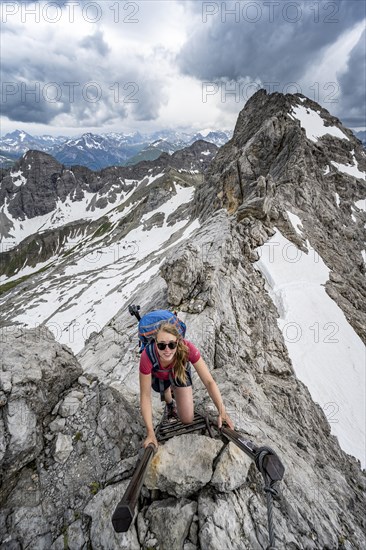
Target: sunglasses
162	346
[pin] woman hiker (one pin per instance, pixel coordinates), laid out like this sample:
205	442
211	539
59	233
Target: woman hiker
173	353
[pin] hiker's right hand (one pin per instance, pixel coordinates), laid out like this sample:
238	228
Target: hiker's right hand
151	438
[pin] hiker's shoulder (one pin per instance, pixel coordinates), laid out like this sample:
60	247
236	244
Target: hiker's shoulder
194	353
144	358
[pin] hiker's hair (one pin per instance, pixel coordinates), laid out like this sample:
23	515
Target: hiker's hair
181	355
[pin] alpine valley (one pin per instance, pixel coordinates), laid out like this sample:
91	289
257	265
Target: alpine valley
260	246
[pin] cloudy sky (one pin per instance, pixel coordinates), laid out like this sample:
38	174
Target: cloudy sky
73	66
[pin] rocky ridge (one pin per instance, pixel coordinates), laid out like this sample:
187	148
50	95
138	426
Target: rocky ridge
47	181
268	153
89	432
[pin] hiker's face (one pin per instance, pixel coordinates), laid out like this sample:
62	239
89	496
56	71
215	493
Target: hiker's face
165	338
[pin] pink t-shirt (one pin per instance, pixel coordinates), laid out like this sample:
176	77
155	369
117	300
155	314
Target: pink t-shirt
146	365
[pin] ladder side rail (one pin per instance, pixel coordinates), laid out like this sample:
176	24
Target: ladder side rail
245	445
124	512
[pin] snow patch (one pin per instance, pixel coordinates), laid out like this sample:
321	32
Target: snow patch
296	222
313	124
361	204
183	196
351	169
19	178
153	178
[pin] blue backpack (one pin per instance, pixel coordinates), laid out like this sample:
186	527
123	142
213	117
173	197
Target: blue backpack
150	322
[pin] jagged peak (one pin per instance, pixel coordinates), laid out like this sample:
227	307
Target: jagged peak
33	160
263	106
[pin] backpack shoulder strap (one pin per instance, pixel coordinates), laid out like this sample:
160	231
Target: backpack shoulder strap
151	353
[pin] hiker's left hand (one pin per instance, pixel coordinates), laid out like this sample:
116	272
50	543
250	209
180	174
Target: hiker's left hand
225	418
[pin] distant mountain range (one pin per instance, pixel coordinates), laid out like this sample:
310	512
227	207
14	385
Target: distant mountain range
362	137
100	151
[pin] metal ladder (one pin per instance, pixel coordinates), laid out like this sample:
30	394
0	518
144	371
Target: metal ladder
266	460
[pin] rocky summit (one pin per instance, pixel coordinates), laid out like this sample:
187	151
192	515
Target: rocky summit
260	245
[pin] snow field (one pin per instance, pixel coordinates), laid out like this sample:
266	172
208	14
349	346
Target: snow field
99	282
327	354
64	213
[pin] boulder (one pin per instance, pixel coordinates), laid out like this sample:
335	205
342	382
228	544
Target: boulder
183	465
35	371
231	469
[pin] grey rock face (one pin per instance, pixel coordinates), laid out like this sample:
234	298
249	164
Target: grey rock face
231	470
73	537
63	448
259	202
54	463
186	268
70	404
102	535
28	525
170	522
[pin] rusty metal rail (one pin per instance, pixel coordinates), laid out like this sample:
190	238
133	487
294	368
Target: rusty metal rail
271	462
125	511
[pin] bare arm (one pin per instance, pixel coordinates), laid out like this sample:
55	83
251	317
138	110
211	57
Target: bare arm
146	408
213	391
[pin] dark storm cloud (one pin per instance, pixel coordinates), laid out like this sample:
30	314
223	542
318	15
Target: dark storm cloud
50	72
352	83
82	90
29	111
260	41
38	91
